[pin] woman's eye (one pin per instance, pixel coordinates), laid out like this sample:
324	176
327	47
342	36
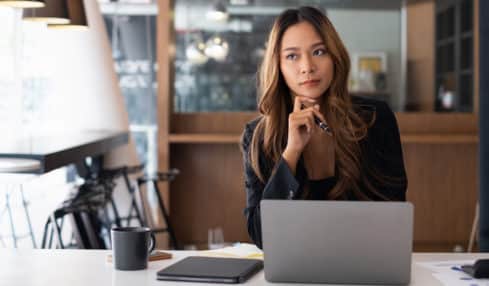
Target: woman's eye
291	56
319	52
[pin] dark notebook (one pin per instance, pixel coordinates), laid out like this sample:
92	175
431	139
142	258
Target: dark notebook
211	269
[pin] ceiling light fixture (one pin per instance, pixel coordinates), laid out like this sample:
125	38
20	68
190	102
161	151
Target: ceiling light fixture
55	12
22	3
77	16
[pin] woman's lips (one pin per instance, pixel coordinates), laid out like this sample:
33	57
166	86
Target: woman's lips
311	82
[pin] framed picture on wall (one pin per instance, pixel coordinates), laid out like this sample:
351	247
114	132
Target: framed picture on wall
369	71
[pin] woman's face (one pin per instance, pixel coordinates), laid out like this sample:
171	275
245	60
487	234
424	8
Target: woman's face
305	63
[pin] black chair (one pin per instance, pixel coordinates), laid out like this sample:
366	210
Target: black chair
83	207
88	209
154	180
135	212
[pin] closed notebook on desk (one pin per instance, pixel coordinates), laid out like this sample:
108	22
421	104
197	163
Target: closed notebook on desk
211	269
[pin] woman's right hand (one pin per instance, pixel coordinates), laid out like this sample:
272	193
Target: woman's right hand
301	126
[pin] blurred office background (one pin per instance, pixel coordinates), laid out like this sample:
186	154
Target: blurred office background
183	81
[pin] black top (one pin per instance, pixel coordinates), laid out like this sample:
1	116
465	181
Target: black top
381	150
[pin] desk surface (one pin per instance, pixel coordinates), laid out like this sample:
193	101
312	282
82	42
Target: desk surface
89	267
54	151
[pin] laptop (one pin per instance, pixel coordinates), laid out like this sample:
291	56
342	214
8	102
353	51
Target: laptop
342	242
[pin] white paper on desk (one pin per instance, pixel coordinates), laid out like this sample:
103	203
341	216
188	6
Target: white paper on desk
459	279
449	273
239	250
445	265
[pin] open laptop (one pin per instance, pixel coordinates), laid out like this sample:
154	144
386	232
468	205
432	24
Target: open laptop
342	242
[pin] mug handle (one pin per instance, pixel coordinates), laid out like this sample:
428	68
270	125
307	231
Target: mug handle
153	243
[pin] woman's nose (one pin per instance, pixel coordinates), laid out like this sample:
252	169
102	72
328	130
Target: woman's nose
307	66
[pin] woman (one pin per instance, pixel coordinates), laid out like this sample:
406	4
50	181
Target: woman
303	82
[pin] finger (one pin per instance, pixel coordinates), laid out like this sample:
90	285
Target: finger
307	102
307	99
314	112
297	103
306	119
311	113
301	120
318	114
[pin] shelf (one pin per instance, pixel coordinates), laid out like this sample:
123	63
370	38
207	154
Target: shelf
369	93
205	138
406	139
133	9
439	138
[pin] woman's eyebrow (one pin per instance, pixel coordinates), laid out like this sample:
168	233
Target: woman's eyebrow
297	48
290	49
317	44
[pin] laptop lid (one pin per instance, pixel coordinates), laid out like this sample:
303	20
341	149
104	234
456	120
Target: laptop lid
337	241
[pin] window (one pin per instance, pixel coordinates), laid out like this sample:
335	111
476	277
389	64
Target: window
132	33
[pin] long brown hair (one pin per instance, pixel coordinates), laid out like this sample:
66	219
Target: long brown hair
275	104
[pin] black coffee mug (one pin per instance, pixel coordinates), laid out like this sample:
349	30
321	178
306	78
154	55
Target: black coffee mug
131	247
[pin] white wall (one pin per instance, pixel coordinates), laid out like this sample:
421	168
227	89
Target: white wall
10	83
369	31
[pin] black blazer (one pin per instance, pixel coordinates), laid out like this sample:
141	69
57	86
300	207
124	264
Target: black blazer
381	149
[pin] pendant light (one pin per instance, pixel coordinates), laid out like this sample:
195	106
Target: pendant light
55	12
218	12
22	3
217	48
77	16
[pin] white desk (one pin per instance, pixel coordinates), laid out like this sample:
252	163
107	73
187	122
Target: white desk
89	268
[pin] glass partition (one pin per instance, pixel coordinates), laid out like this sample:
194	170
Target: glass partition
218	54
219	46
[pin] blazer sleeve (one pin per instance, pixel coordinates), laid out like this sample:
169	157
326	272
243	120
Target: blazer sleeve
385	155
282	184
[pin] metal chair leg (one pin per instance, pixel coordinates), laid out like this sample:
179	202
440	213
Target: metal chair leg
29	224
117	217
138	196
133	202
11	219
45	234
57	230
169	228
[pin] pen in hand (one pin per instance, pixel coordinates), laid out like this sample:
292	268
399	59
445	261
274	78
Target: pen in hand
323	126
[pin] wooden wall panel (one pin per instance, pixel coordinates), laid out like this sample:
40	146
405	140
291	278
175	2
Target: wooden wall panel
437	123
443	182
209	193
442	187
421	55
212	122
